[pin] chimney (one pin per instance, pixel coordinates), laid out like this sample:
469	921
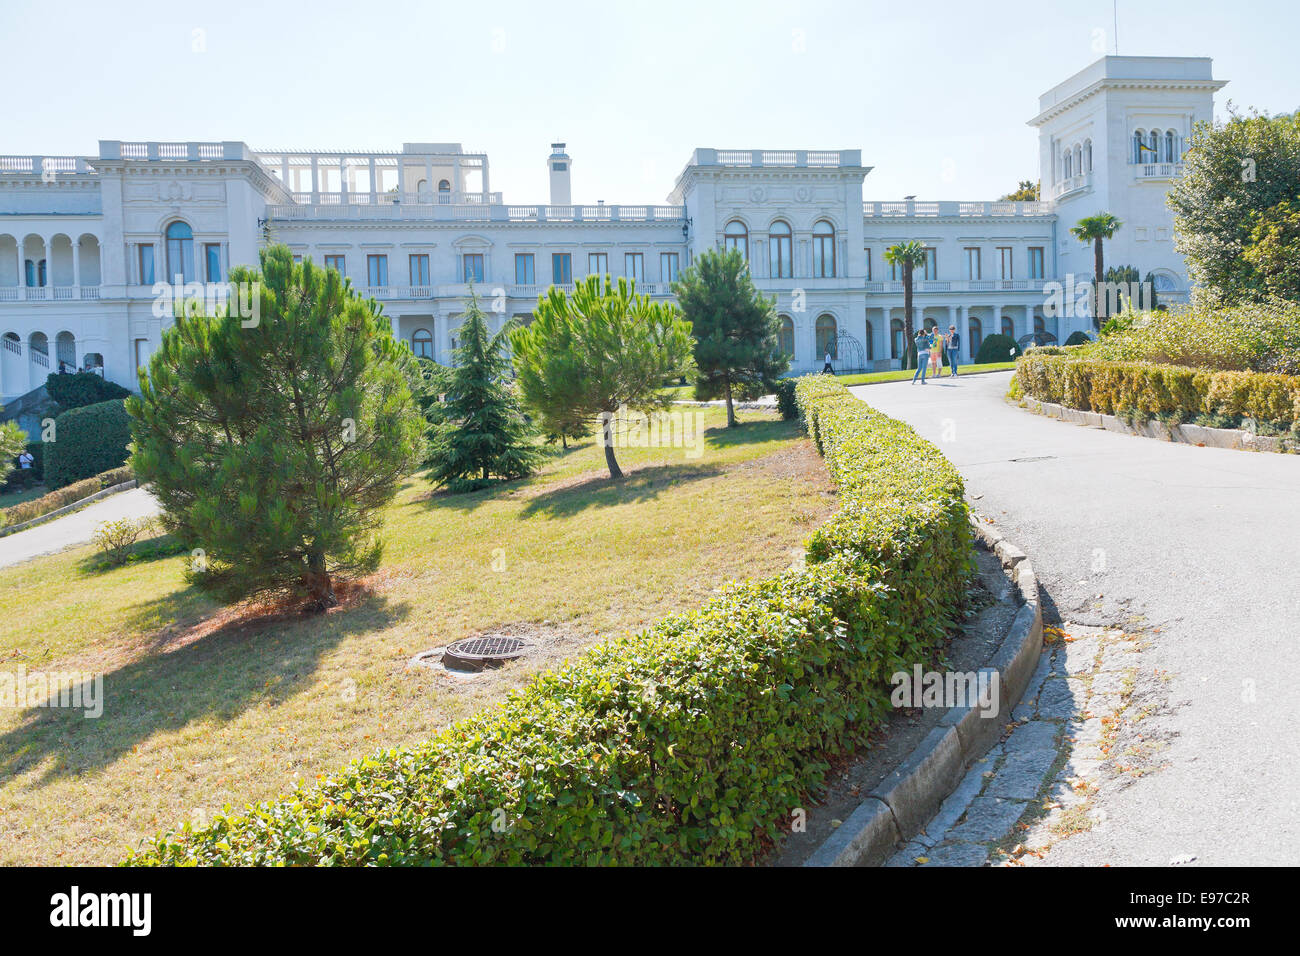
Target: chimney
559	166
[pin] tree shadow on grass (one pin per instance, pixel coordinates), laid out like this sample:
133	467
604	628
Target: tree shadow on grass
751	432
218	668
639	484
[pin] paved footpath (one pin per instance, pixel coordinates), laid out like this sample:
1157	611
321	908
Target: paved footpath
1161	727
75	528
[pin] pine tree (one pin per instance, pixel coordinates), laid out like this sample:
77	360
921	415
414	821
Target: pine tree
737	332
272	442
590	354
479	436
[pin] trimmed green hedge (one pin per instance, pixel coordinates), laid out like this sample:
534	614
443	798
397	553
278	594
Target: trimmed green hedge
691	742
79	389
67	495
1147	390
87	441
997	348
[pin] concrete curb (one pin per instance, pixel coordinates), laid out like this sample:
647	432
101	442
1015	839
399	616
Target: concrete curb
897	809
60	512
1233	438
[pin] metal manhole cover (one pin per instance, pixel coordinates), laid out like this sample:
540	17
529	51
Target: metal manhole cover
476	653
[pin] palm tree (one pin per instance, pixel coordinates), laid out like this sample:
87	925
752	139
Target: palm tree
1096	229
909	255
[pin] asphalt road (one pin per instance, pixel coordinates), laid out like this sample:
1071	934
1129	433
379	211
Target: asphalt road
75	528
1203	546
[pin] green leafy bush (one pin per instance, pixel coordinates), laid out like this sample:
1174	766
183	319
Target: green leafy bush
997	348
1258	336
786	403
116	539
1144	390
87	441
81	389
690	743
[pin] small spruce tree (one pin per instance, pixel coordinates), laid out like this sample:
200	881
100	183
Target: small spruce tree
478	434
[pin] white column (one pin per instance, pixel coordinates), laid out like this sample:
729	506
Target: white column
997	321
76	262
315	181
22	272
49	263
374	186
429	185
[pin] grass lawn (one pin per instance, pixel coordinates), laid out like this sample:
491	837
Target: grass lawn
11	498
686	393
206	706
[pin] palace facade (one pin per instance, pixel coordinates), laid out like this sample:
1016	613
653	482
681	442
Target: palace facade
86	240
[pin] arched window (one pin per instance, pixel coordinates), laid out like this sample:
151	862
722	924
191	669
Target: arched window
823	249
1069	164
1137	146
929	323
786	343
780	249
1087	156
896	338
444	191
65	351
180	252
1008	327
736	236
1039	324
976	336
1153	147
422	344
1171	153
826	336
1078	160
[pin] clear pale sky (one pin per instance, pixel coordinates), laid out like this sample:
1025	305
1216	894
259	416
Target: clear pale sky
936	94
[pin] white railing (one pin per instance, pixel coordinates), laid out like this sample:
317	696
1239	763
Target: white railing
340	198
931	210
62	293
1073	184
776	157
44	165
958	285
479	212
1158	171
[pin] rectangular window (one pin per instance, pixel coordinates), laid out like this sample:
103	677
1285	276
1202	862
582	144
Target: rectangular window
376	270
335	263
668	266
1035	262
931	264
525	274
146	266
895	273
1004	263
634	266
297	260
561	268
597	264
419	269
868	265
972	263
212	261
472	264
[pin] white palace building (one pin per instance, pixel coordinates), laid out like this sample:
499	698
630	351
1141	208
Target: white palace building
84	239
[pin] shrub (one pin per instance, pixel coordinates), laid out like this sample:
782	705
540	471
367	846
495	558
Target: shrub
116	539
786	403
997	348
81	389
688	743
1142	390
87	441
68	494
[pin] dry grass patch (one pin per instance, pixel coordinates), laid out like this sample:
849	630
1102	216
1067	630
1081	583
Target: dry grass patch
207	706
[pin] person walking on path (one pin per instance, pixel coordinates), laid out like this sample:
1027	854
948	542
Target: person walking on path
922	343
954	347
828	368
